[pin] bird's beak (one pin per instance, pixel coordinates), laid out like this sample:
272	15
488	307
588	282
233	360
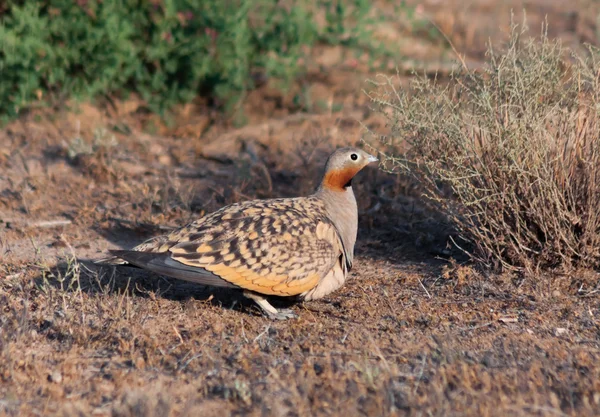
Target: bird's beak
372	159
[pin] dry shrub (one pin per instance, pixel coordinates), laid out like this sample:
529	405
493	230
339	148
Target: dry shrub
511	153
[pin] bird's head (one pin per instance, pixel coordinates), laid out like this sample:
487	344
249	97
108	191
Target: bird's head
342	166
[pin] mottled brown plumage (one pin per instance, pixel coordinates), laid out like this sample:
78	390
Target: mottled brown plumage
284	247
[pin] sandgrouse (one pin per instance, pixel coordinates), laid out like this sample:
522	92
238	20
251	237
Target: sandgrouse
284	247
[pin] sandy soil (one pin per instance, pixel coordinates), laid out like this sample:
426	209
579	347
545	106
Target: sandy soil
411	334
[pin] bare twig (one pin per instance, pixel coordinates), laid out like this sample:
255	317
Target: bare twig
480	326
262	334
423	286
43	224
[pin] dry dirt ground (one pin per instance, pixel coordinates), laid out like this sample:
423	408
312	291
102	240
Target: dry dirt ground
411	334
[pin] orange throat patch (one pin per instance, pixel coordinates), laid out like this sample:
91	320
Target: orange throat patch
337	180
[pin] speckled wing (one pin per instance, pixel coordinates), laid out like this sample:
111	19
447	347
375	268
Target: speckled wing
276	247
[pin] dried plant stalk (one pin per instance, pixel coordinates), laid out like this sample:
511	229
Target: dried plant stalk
511	154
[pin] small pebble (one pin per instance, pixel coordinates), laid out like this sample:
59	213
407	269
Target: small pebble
560	331
55	377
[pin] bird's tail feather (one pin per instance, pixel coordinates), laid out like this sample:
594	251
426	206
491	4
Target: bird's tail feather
162	263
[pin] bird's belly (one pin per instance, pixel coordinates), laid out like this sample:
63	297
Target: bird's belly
331	282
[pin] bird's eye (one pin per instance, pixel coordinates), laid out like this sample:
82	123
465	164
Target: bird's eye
354	157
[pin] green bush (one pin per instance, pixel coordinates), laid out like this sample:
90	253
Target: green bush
511	154
166	51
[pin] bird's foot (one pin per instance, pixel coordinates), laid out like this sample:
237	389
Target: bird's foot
281	314
270	311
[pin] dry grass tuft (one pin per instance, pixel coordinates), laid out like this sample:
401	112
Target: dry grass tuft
511	154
